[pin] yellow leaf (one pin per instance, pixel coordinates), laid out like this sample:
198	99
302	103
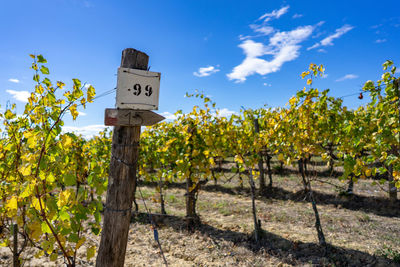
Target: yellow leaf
63	198
292	101
396	175
73	111
191	188
281	157
60	84
12	205
238	159
304	74
50	178
25	170
53	256
66	141
309	81
90	252
36	230
27	134
45	228
27	191
80	243
39	89
90	94
35	203
39	254
211	161
5	243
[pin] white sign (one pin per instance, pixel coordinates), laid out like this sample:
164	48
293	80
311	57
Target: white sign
137	89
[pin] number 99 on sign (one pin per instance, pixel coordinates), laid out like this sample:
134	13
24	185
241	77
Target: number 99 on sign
137	90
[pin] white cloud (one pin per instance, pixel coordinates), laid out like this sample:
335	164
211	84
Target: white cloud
169	115
321	50
380	41
376	26
267	84
79	112
296	16
264	30
14	80
86	131
347	77
328	41
206	71
283	46
318	34
20	95
325	75
225	112
275	14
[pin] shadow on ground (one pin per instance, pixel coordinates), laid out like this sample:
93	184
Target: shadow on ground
369	204
376	205
295	253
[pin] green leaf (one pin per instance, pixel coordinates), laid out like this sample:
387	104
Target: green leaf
64	215
73	238
90	252
41	59
47	82
77	83
97	216
36	77
45	228
44	70
53	256
95	230
69	180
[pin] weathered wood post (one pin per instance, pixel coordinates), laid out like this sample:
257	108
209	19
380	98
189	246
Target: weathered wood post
16	262
263	188
124	158
257	223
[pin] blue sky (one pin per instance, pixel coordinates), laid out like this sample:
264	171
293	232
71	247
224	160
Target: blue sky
241	53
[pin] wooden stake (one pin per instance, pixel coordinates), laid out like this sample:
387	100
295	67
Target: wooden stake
15	246
257	223
121	182
263	188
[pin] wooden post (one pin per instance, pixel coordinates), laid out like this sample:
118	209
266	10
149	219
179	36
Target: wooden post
263	188
121	182
191	189
257	223
15	246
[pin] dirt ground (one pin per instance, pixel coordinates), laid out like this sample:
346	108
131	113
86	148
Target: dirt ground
362	229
